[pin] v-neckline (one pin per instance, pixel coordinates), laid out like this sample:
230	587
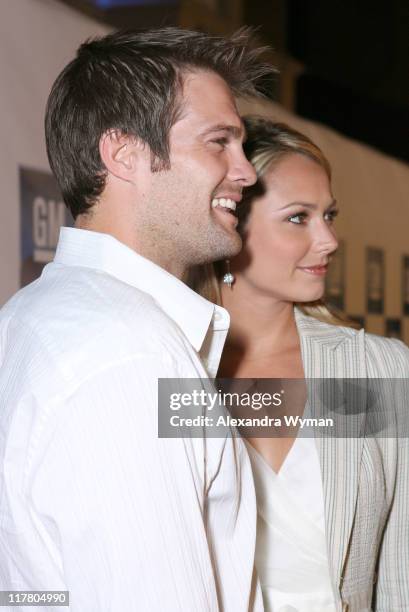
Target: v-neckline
266	464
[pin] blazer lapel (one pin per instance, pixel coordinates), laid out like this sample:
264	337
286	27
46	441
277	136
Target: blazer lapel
332	352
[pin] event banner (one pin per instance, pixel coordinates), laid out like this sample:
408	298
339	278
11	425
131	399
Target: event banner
42	213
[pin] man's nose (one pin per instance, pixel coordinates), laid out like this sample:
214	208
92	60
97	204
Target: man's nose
242	170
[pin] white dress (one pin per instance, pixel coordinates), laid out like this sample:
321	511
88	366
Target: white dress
291	550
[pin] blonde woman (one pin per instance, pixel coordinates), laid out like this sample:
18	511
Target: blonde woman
333	518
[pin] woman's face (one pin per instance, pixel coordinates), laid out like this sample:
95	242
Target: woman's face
289	234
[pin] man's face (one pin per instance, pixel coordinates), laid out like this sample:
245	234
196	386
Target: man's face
187	216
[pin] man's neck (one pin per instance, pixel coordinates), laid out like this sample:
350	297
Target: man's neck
127	236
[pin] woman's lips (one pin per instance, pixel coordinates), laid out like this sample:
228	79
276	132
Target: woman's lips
315	270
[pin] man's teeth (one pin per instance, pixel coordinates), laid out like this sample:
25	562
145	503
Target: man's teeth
224	203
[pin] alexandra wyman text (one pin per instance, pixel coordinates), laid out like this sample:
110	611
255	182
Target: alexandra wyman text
229	421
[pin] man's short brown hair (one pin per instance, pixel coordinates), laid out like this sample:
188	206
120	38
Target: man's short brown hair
132	82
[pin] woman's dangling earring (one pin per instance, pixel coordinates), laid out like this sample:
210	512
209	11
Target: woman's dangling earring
228	278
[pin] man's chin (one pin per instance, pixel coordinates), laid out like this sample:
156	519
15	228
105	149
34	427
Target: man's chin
220	246
229	249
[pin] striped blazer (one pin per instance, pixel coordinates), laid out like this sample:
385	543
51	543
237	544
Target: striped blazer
365	479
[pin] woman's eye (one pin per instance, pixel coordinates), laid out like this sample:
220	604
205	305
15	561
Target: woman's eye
330	215
297	219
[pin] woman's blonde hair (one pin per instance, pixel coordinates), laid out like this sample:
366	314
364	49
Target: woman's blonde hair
267	143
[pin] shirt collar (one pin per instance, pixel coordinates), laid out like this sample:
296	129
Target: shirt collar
191	312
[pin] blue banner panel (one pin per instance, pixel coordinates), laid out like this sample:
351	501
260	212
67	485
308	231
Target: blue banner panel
108	4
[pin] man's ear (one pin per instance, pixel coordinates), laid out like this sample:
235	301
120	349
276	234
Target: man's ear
122	155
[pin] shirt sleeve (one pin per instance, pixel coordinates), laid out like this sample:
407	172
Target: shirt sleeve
116	510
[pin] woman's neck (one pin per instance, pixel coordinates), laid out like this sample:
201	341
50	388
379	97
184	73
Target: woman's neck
261	325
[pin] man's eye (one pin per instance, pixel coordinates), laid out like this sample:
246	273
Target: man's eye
221	141
297	219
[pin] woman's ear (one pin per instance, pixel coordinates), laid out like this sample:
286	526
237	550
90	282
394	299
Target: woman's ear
122	154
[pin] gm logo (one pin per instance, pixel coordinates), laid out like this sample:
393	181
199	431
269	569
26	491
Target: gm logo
42	213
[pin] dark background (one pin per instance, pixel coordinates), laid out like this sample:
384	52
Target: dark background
354	54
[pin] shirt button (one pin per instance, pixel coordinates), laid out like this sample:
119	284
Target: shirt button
287	609
217	316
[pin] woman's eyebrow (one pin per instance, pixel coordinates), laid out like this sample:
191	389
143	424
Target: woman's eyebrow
308	205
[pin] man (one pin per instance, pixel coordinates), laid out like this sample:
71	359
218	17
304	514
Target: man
145	141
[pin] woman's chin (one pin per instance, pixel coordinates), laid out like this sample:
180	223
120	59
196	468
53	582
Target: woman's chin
310	296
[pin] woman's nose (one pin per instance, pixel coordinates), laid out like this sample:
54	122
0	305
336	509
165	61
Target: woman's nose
325	239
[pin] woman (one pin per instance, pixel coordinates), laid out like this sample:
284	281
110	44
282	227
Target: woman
333	519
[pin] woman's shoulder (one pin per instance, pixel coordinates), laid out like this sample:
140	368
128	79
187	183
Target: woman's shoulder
388	355
384	357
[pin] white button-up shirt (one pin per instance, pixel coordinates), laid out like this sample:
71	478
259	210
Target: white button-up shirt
91	500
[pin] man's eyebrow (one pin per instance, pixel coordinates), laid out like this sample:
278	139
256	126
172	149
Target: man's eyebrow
233	130
308	205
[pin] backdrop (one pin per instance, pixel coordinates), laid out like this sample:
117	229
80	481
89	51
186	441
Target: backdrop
370	275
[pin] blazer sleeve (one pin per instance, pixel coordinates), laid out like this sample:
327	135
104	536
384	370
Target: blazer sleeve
392	587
